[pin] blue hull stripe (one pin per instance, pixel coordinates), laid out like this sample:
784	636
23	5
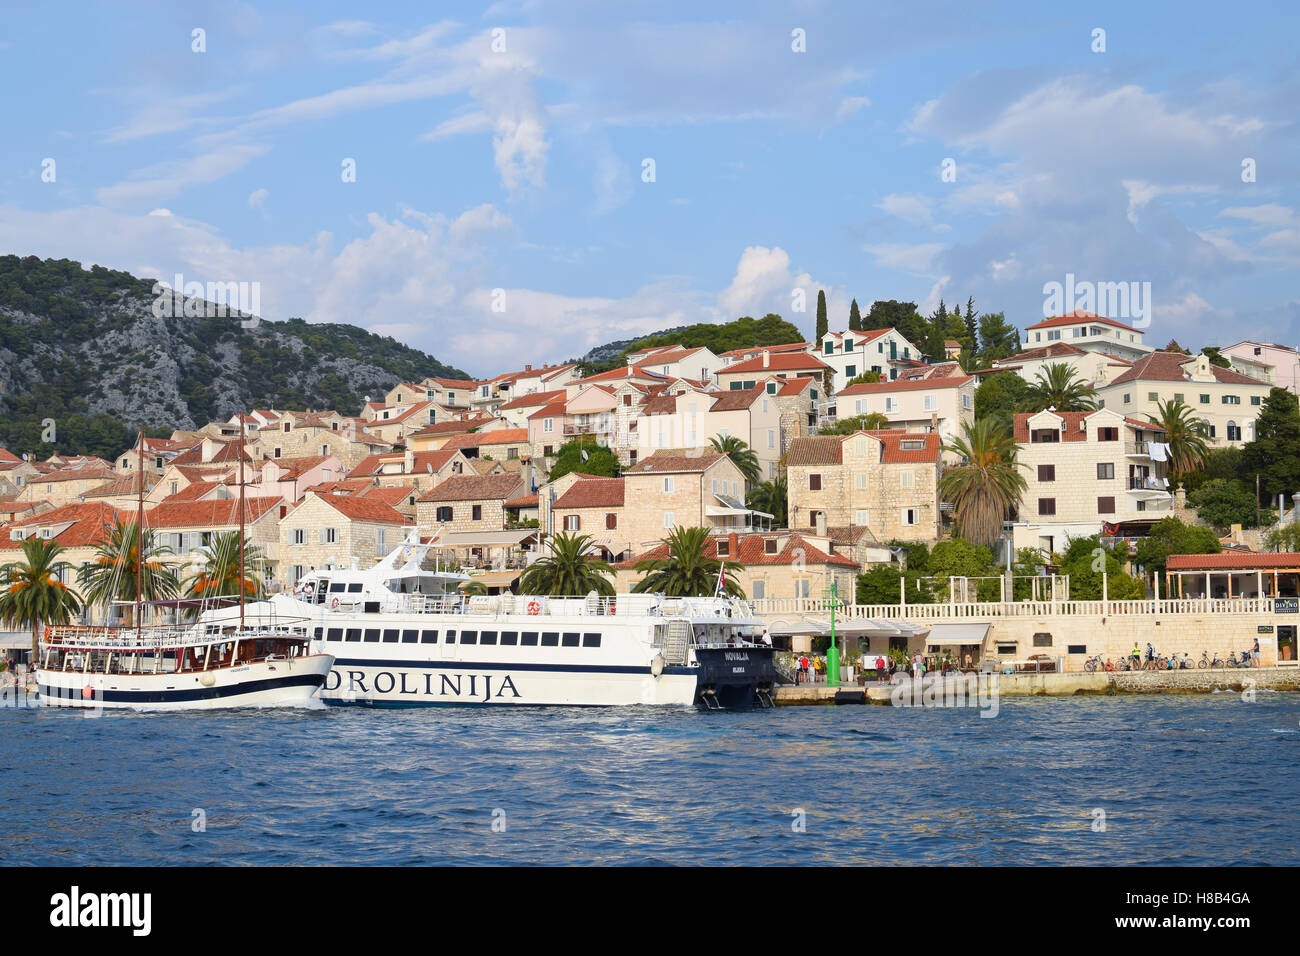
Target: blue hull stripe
198	693
496	666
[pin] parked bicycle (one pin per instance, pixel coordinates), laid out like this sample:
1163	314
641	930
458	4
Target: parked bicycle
1246	660
1094	664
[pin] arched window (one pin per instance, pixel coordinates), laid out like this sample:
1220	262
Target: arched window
1234	433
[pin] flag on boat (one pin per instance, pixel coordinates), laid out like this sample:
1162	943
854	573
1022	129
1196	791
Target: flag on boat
722	580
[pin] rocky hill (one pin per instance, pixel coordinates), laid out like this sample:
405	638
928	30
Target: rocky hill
89	350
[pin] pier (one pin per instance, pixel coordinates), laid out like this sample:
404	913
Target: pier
1205	681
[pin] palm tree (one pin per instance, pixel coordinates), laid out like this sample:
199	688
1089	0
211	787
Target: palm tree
114	572
1185	435
771	497
987	485
568	570
219	574
1058	387
741	455
687	571
34	593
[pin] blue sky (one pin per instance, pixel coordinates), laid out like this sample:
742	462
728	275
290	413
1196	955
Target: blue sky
521	169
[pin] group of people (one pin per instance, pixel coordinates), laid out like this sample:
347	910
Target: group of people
809	668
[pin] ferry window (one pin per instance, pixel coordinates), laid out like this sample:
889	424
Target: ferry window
509	638
390	635
336	587
354	588
429	637
334	634
469	637
449	637
591	640
319	631
354	634
550	638
372	635
571	639
528	639
488	637
410	637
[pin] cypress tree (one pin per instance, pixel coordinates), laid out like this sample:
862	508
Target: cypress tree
822	325
855	317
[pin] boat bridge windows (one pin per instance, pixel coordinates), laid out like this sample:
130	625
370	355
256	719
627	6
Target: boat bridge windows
467	637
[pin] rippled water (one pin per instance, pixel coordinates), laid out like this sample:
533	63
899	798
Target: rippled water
1182	780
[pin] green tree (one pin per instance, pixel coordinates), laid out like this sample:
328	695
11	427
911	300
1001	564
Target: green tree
869	377
1216	357
600	460
33	590
1226	464
971	340
114	572
1224	503
1171	536
998	339
1084	560
869	421
987	486
937	334
218	574
686	570
1057	386
881	585
1284	538
891	314
855	317
741	455
1185	435
771	497
823	324
568	569
1274	454
998	397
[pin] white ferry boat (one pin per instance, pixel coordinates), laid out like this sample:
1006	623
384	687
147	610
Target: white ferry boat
405	636
177	668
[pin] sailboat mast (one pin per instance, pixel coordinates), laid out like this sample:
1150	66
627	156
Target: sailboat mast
241	520
139	539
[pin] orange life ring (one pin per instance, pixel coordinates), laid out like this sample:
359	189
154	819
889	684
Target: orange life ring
334	604
87	692
612	607
534	607
47	632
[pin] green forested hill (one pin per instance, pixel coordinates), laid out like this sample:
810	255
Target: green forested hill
744	332
84	348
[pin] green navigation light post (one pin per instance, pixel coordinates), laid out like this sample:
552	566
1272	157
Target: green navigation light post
833	652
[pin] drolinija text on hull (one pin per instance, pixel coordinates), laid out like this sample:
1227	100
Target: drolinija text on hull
402	635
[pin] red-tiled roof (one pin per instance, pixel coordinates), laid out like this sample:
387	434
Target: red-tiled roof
363	508
829	449
1168	367
665	463
6	455
79	474
533	399
391	495
194	491
502	436
123	486
475	488
1072	432
749	549
554	410
206	514
296	467
777	362
523	501
592	493
736	399
1077	316
1046	351
905	385
1234	561
89	524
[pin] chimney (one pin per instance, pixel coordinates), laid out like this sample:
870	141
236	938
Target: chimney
733	544
767	359
528	368
408	462
821	524
526	475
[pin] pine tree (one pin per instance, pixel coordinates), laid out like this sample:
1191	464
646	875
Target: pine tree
937	332
822	325
972	329
855	317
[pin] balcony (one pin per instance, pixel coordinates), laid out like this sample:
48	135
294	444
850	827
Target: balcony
588	428
1137	449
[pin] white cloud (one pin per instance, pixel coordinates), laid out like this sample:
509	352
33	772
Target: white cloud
917	257
256	198
165	180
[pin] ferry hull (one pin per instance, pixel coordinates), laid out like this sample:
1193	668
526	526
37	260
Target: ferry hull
282	683
434	683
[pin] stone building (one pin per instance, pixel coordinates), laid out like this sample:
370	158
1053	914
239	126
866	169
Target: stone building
338	530
886	481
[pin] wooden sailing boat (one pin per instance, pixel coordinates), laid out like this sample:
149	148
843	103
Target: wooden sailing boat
179	666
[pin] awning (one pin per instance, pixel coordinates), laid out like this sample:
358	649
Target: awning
15	641
851	627
958	634
474	539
